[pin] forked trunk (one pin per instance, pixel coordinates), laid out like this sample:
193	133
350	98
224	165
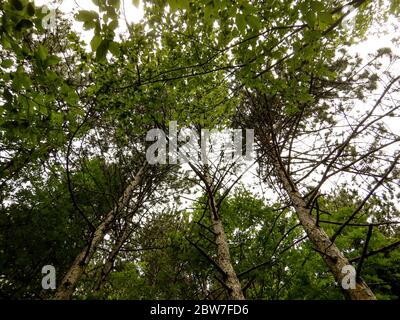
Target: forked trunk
74	274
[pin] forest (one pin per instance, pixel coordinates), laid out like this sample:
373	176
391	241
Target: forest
208	150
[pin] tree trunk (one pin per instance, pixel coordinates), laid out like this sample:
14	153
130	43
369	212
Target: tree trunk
331	254
74	274
224	261
231	279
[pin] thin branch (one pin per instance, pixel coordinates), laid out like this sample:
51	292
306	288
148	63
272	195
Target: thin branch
388	248
364	252
392	166
207	257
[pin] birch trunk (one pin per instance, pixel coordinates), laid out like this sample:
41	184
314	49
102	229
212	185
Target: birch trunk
331	254
231	279
74	274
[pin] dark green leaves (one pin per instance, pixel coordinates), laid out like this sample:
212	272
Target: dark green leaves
90	19
241	23
102	49
42	52
395	6
17	4
102	46
7	63
86	16
52	60
30	9
325	19
23	24
114	3
114	48
179	4
95	42
7	94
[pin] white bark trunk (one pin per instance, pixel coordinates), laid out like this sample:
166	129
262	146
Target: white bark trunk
74	274
331	254
231	279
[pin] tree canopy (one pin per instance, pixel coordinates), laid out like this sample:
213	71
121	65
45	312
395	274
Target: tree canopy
317	196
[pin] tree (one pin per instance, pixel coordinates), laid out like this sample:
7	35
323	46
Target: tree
74	124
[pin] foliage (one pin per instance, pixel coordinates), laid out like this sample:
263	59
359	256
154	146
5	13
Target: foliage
73	125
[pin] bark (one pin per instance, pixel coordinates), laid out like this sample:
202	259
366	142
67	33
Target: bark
333	257
230	278
74	274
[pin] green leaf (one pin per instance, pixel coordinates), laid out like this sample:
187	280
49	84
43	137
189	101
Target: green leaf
42	52
395	7
254	22
86	16
102	49
57	118
7	95
115	3
183	4
136	3
317	6
51	76
114	48
94	44
30	9
16	85
88	25
173	4
17	4
7	63
209	12
52	60
325	18
24	24
26	81
113	24
241	22
310	18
